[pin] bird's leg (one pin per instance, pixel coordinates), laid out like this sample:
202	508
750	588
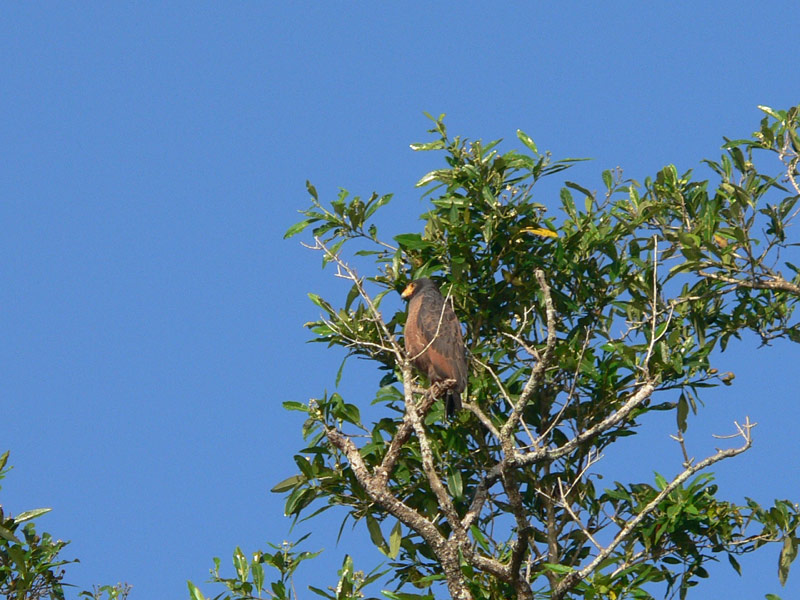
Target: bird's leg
440	387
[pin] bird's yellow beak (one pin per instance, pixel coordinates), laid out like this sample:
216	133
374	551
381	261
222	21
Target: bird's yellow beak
408	291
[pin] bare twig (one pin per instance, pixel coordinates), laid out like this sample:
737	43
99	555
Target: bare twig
791	165
496	378
655	312
357	281
485	420
545	454
682	442
642	394
566	504
384	471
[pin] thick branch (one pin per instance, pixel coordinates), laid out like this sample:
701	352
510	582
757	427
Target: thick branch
384	471
378	491
443	498
516	504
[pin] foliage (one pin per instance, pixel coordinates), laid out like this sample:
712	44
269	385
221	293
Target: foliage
30	567
580	323
119	591
249	582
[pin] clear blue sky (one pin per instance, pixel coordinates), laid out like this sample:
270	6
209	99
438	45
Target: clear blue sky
153	155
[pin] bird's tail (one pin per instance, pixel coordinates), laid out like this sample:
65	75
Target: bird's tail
452	403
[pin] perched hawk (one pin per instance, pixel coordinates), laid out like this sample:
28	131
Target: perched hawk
433	339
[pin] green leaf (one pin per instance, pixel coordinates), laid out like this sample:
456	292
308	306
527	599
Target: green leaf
375	534
771	112
340	371
322	593
305	466
556	568
312	190
411	241
735	564
454	484
526	139
316	299
395	537
240	564
787	556
298	227
608	179
432	176
8	535
579	188
406	595
683	413
31	514
373	206
350	413
257	569
194	592
293	405
435	145
298	500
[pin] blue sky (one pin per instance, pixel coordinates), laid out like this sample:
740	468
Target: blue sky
153	155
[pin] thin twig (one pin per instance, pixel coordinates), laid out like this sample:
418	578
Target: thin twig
776	283
537	373
569	394
352	276
565	503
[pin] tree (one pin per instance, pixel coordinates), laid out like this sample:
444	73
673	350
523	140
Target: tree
579	324
31	567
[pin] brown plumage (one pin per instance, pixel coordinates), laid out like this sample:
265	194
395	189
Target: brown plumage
433	339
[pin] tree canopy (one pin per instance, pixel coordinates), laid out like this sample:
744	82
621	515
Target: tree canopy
580	322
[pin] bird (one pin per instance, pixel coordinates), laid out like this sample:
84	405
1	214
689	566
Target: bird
433	340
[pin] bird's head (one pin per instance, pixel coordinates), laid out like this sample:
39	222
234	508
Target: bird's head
416	286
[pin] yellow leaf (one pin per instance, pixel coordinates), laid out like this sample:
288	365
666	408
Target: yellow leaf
539	231
721	241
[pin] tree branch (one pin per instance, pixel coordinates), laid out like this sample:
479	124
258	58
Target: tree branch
537	373
569	581
352	276
776	283
443	498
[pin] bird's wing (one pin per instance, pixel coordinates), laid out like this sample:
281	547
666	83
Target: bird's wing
437	321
